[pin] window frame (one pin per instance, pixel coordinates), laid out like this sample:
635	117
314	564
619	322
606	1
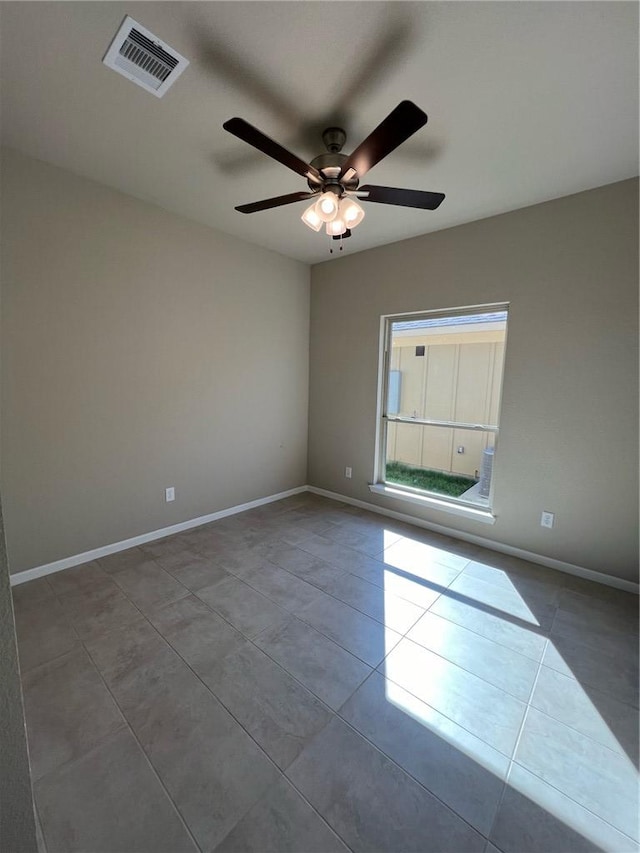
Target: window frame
414	495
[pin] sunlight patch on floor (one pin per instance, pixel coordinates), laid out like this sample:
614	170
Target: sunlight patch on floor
464	741
410	564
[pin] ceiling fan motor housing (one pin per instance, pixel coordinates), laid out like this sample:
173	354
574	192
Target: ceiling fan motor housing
330	165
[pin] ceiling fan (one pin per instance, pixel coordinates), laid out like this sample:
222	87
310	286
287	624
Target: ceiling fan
333	178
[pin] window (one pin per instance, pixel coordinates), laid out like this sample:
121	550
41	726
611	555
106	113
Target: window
441	387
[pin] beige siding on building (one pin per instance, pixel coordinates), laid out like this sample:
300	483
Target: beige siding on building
408	442
412	368
458	379
440	390
472	398
437	444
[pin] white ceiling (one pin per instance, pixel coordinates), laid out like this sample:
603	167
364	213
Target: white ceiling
527	101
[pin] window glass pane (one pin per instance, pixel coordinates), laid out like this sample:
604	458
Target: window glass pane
393	400
445	368
450	461
458	378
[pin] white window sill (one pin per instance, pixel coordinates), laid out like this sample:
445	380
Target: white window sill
482	515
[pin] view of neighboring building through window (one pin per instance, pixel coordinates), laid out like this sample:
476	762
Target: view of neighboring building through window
442	387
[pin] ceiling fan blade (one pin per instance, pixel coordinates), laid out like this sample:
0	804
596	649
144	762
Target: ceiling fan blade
403	198
397	127
247	133
277	201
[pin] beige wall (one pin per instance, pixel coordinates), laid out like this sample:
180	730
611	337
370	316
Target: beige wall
17	819
139	351
569	423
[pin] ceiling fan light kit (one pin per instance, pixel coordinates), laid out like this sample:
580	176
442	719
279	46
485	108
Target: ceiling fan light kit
327	206
351	212
339	214
311	218
333	178
336	228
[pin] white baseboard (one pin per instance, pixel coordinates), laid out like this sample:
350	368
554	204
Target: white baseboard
105	550
540	559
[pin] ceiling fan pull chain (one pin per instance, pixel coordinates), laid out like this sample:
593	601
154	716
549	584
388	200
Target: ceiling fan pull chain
331	244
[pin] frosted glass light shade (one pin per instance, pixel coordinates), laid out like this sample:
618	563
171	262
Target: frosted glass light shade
327	206
351	212
311	218
336	227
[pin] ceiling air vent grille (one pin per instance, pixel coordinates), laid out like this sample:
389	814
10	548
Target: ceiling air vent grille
144	53
143	58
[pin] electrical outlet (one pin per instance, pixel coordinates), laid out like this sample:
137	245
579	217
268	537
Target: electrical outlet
547	519
170	494
348	473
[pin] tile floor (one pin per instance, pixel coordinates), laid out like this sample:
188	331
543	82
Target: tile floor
311	677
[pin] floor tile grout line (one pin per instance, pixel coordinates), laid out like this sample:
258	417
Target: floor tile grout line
69	762
453	663
621	754
293	615
39	823
348	652
540	633
319	630
376	668
25	672
345	572
576	802
512	760
429	584
382	562
299	546
517	742
348	605
438	711
332	712
404	769
304	580
252	642
261	650
302	797
135	737
219	700
281	771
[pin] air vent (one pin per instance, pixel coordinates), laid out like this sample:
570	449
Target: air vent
143	58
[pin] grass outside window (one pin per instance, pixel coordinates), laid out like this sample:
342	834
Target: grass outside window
439	482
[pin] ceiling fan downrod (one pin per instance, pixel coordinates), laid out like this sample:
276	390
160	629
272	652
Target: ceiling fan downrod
330	165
